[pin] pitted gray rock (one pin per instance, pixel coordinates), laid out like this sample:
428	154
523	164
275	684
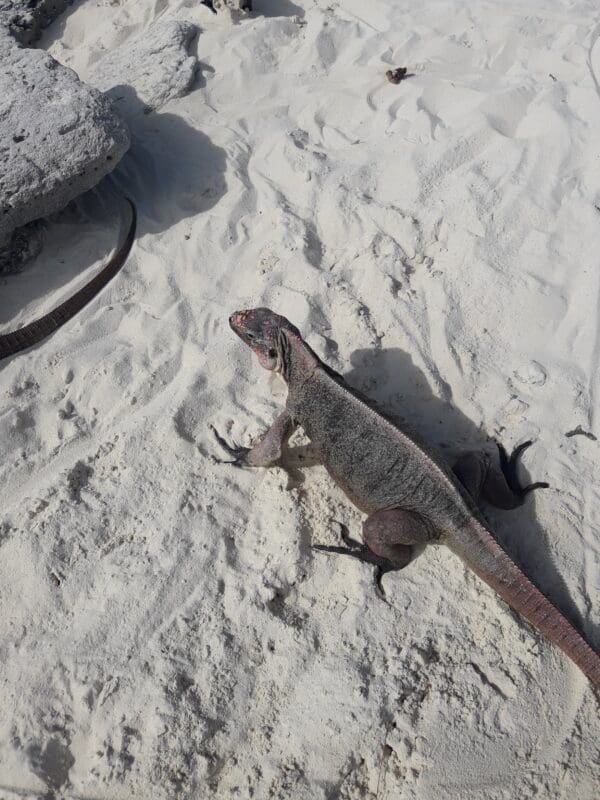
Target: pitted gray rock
24	245
58	136
25	19
156	65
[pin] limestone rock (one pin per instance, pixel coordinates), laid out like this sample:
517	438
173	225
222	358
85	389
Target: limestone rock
25	19
58	137
155	65
25	244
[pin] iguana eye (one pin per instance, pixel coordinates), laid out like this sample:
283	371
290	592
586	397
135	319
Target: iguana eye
249	335
272	353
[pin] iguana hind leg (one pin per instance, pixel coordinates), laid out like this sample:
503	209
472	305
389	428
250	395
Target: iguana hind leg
391	533
501	488
389	536
265	452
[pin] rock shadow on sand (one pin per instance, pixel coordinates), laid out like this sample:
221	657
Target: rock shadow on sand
55	31
172	171
276	8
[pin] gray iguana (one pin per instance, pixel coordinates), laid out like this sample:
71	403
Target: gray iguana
410	495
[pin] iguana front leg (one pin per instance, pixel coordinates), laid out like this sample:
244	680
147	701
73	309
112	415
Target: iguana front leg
265	452
500	488
388	536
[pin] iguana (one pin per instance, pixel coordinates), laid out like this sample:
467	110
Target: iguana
411	496
39	329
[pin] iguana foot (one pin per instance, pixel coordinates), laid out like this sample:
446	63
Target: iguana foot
501	488
239	453
508	465
362	553
267	451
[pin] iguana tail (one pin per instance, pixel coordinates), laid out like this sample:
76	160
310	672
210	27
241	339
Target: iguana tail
482	553
39	329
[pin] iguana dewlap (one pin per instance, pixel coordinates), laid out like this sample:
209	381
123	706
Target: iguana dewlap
409	494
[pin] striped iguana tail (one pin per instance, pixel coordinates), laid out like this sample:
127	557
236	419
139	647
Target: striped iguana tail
39	329
482	553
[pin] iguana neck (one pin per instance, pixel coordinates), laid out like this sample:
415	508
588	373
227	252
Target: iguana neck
298	361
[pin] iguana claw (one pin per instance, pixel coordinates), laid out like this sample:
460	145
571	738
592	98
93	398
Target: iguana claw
238	452
508	464
362	553
353	544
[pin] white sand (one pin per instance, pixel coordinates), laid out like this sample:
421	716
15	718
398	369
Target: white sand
165	629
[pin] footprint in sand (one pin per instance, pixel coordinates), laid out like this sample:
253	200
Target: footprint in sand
532	374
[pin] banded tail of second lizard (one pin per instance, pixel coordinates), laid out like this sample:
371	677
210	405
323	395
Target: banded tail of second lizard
38	330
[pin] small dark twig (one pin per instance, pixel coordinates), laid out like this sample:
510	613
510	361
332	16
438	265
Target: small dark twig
397	75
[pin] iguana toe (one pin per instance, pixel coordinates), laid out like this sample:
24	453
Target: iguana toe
363	553
379	573
353	544
238	452
508	464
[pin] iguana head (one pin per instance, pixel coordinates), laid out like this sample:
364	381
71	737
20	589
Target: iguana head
267	334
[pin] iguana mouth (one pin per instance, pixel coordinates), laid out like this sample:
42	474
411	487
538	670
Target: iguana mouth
235	320
238	319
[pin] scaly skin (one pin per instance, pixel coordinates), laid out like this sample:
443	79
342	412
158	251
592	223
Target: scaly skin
411	496
38	330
